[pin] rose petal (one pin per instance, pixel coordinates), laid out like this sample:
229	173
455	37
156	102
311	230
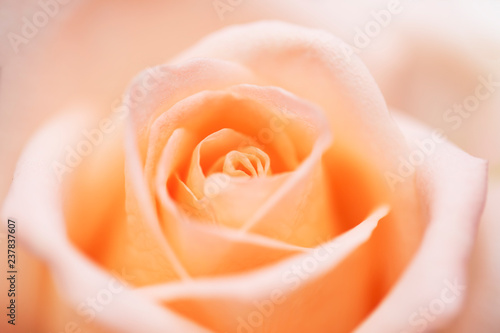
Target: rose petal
229	251
223	303
452	185
481	302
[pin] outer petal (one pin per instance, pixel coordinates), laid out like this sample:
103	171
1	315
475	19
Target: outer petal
262	300
480	313
452	185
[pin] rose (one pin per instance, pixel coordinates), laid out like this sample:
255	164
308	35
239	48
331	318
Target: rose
169	118
487	233
64	85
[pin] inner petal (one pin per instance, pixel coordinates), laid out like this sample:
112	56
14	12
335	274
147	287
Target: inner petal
281	195
238	164
246	162
210	155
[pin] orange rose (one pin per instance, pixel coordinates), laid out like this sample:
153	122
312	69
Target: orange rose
264	187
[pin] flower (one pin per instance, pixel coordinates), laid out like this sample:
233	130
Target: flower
262	175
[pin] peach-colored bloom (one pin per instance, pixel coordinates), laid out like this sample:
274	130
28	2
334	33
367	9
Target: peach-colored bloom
263	187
